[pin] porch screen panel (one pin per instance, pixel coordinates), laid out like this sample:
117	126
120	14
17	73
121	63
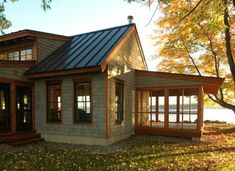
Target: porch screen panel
150	108
183	108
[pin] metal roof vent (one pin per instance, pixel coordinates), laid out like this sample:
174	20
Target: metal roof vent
130	19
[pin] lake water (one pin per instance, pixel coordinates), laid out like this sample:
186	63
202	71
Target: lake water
219	114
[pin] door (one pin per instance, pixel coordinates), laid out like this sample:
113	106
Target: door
23	108
5	108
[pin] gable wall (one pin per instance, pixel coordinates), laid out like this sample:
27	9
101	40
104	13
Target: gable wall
46	47
122	67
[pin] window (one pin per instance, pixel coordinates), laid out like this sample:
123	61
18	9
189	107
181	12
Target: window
18	55
119	101
82	102
26	55
54	102
3	56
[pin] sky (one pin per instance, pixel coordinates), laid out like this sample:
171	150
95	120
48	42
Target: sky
79	16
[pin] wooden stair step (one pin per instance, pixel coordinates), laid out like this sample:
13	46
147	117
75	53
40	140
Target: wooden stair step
28	141
22	137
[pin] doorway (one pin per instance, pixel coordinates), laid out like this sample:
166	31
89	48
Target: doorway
23	108
5	108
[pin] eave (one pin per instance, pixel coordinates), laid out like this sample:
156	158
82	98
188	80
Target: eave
32	34
210	85
63	72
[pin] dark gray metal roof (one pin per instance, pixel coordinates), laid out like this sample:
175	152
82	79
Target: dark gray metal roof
83	51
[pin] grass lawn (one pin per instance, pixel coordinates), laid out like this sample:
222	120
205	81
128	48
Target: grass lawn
215	152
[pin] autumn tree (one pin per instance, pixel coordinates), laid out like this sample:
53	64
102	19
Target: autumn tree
197	37
5	23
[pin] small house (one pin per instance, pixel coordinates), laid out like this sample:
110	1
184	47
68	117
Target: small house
93	88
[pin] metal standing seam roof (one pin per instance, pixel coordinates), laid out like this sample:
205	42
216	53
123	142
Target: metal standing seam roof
83	50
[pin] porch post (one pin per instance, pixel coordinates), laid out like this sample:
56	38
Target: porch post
13	107
166	108
200	108
178	109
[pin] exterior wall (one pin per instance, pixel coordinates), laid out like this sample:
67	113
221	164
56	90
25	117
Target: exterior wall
67	131
122	67
15	73
148	81
46	47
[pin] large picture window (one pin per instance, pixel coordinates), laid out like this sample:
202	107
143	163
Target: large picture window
54	102
82	102
119	101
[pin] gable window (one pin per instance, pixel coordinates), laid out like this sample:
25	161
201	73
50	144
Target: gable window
54	102
82	102
119	101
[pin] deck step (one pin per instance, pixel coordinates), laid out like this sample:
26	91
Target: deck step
28	141
23	138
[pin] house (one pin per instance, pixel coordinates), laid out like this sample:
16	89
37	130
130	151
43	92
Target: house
93	88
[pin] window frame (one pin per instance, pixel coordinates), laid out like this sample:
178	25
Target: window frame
17	50
53	83
122	83
82	80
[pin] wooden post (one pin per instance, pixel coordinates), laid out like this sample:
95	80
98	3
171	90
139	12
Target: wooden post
200	108
157	109
166	108
182	125
13	107
178	109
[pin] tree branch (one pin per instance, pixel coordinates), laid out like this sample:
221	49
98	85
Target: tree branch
190	57
192	10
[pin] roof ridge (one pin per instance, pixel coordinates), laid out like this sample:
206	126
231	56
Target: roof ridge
132	24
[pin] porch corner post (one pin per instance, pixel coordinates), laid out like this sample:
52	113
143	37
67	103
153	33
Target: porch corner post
13	107
200	107
166	108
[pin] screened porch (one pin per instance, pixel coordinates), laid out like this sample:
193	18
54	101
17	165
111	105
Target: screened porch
177	109
171	104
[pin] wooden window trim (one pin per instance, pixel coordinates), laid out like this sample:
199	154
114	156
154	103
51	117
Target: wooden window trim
48	83
19	49
77	80
121	82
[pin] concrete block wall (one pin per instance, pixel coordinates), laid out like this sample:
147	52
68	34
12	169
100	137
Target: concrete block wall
67	131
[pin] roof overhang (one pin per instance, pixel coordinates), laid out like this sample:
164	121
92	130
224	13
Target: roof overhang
30	34
210	85
63	72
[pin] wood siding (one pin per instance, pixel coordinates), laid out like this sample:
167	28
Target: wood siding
14	73
148	81
122	67
72	133
46	47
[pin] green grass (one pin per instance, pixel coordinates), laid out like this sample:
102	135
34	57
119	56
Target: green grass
216	152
